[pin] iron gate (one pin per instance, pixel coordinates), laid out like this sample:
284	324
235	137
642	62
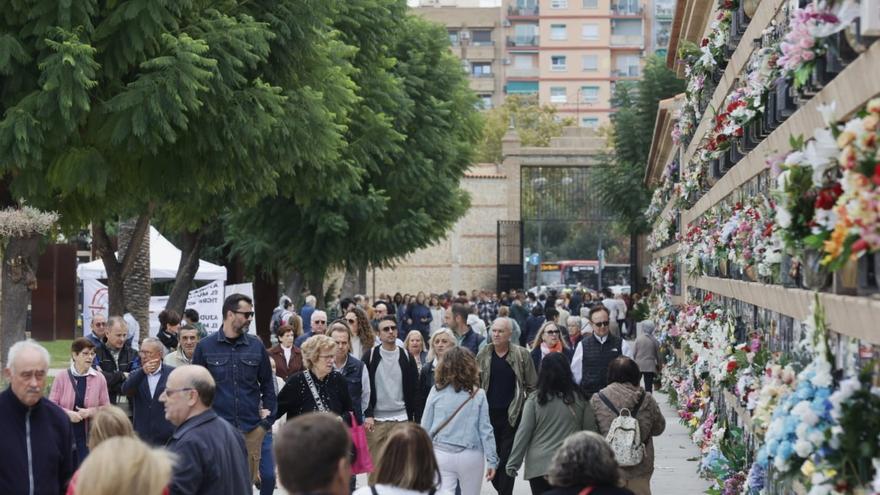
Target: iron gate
510	256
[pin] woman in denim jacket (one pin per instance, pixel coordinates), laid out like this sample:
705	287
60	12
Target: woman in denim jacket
457	419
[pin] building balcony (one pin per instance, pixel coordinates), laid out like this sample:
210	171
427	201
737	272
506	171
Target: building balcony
480	52
482	83
514	11
626	10
627	40
523	42
663	13
523	73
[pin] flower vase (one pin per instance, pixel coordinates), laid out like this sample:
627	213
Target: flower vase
769	117
734	156
751	273
716	75
750	138
749	7
868	278
814	276
788	272
785	104
846	279
721	166
723	268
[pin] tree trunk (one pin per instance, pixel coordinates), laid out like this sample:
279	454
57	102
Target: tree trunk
119	269
316	288
349	283
294	283
186	271
138	283
19	278
265	300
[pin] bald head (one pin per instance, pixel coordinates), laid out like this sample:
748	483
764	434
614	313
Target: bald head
198	378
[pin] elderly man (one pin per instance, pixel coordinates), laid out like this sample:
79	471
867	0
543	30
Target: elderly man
240	365
117	360
507	374
306	313
326	469
98	332
188	338
37	437
380	310
143	388
211	454
318	321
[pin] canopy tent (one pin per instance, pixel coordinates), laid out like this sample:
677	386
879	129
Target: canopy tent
164	261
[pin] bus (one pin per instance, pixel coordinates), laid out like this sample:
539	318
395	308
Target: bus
571	273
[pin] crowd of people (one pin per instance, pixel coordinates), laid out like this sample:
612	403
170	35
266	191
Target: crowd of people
445	390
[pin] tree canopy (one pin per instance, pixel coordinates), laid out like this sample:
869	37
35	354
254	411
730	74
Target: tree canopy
535	124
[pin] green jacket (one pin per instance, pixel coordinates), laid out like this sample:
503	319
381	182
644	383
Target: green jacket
543	429
524	369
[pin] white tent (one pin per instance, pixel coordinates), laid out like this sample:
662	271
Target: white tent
164	261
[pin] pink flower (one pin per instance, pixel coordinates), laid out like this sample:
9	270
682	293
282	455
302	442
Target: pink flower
807	56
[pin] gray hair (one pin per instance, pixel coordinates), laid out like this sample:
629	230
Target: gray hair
585	459
154	341
24	345
645	327
440	331
311	300
506	320
117	320
573	320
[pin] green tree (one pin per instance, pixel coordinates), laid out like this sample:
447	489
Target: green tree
621	173
534	123
117	110
409	194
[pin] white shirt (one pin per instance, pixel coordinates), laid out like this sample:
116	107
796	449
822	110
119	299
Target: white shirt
153	380
287	351
578	357
613	309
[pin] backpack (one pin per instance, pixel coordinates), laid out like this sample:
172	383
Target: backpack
624	436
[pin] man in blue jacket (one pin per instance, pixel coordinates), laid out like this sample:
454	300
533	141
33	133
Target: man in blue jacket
466	336
143	387
240	366
37	437
212	458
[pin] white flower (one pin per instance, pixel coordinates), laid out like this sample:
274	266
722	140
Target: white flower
827	110
820	153
783	217
805	412
803	448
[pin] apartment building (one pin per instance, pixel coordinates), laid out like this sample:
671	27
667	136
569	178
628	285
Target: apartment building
476	36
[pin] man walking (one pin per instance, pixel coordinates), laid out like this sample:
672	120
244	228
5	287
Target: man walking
393	385
466	336
507	374
318	322
589	365
37	436
116	360
212	458
143	387
245	384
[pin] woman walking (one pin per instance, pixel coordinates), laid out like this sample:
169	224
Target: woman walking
623	391
418	316
554	411
363	338
415	345
457	418
287	357
80	392
441	341
319	387
438	314
548	341
646	354
406	465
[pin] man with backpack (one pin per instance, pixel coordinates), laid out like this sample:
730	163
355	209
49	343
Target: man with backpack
629	418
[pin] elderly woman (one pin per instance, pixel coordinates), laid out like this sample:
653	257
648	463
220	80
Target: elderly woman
553	412
288	357
623	391
585	464
646	353
457	418
318	387
415	346
548	341
574	326
441	341
80	392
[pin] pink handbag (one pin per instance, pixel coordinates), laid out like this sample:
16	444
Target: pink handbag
363	462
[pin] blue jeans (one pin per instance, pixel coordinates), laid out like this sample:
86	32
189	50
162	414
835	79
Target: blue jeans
267	466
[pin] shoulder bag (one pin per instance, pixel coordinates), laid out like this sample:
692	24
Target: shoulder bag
455	413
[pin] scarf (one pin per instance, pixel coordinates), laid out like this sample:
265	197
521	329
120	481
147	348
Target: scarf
545	349
76	373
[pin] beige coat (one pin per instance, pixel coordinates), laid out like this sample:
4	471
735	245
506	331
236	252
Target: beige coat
651	421
646	354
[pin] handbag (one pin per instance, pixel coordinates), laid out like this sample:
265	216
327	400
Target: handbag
445	423
363	461
586	491
315	394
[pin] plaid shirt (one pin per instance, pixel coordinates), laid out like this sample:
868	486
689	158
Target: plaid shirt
488	311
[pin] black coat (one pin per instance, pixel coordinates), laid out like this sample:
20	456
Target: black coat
51	441
426	382
149	414
596	358
410	376
537	358
296	398
115	375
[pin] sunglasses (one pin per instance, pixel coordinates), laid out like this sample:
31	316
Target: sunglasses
319	322
246	314
388	328
552	332
601	323
100	324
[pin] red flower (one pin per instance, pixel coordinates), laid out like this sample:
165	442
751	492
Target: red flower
708	297
704	42
859	246
876	178
731	366
712	316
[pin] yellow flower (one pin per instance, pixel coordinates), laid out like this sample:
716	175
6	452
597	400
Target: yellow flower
834	245
870	122
845	138
830	473
807	468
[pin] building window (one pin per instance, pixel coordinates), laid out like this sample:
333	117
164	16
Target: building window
591	4
590	32
524	62
557	63
481	69
626	7
558	4
484	102
558	32
589	94
590	122
453	38
591	63
628	66
481	37
557	94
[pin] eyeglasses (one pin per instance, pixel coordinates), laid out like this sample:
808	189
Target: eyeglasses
246	314
327	357
389	328
601	323
100	323
319	322
352	322
171	391
552	332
